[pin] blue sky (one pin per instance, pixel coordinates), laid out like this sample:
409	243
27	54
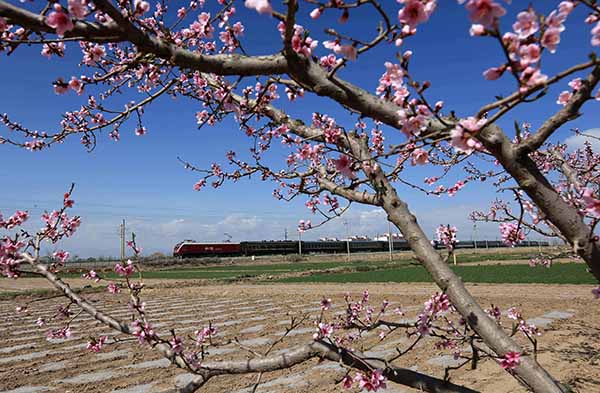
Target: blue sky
140	179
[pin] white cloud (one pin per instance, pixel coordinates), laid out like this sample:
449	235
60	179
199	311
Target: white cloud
577	141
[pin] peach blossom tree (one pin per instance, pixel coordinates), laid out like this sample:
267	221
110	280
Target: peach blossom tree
197	52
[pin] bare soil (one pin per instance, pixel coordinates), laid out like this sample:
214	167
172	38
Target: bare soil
569	348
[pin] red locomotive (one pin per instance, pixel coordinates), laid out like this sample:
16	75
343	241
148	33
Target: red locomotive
190	248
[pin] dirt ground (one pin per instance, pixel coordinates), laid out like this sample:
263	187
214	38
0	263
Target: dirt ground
257	314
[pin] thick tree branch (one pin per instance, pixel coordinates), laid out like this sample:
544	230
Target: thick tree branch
220	64
564	216
330	352
569	112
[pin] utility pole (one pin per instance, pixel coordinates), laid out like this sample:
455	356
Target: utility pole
475	235
123	240
300	242
390	240
347	240
285	234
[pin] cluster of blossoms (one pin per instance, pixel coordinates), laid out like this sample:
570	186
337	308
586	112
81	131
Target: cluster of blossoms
59	224
60	333
463	135
592	204
344	166
205	334
524	49
304	225
301	42
511	233
447	236
528	329
9	256
511	360
95	345
370	382
126	269
143	331
15	220
540	261
91	275
324	330
437	304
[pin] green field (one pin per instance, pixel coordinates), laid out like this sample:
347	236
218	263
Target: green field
566	273
400	270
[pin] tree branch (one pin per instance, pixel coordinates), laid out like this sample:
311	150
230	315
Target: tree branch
569	112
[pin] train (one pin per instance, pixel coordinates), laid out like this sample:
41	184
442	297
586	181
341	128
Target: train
192	249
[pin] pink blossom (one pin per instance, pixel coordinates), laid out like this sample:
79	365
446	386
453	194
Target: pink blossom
556	20
261	6
484	11
576	84
62	256
343	166
419	157
592	205
413	13
596	35
304	225
125	270
325	304
60	333
140	7
551	39
461	135
477	29
176	345
205	333
60	86
566	7
511	360
113	288
372	382
347	382
53	48
76	85
511	233
143	331
316	13
40	322
513	313
529	54
78	8
526	24
348	51
141	131
91	275
96	345
201	183
494	73
446	235
532	77
564	97
59	21
21	309
324	330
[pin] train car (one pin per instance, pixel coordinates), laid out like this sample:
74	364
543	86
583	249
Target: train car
191	249
276	247
400	245
325	247
367	246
